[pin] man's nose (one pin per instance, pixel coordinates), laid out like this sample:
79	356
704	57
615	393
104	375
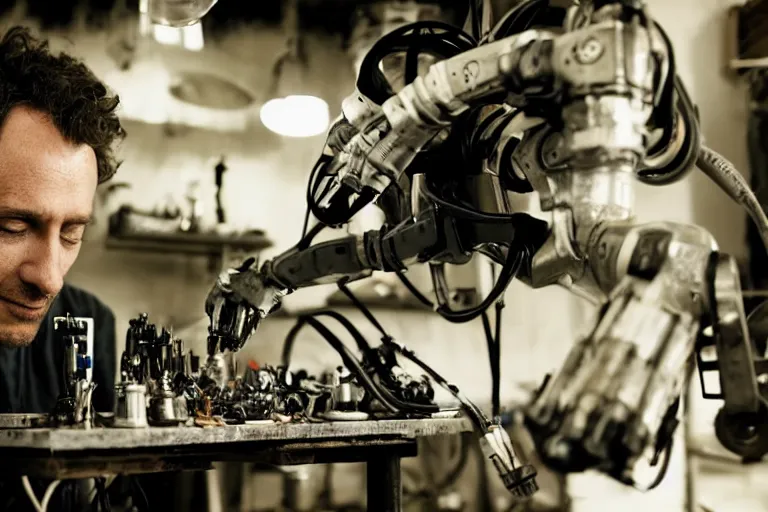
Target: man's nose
42	267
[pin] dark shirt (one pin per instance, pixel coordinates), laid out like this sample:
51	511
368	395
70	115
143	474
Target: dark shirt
31	377
31	380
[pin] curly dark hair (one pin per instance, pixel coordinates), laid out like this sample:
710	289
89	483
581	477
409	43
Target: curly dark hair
61	86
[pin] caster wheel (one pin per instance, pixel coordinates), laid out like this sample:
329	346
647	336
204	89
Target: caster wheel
744	434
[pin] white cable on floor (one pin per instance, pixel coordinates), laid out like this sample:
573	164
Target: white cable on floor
31	493
39	507
48	495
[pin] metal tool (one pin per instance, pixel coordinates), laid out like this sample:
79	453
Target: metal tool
345	397
155	375
76	336
166	408
130	405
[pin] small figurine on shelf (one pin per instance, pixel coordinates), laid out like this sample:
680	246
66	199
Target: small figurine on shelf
190	223
220	169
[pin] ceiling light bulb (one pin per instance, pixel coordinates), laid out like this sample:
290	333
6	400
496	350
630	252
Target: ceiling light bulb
296	116
178	13
189	37
164	34
192	37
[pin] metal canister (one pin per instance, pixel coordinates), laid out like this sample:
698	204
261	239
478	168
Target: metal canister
130	406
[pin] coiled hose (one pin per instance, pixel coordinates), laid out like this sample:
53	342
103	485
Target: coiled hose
730	180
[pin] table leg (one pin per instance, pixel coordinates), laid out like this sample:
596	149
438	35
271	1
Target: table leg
213	486
385	490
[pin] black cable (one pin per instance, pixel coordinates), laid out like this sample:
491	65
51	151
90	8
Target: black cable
416	293
362	343
372	83
663	469
493	343
451	41
512	265
686	156
412	60
340	211
467	213
475	414
348	359
363	309
386	338
101	494
311	189
138	495
492	356
666	106
316	178
476	23
496	397
517	19
307	238
534	15
496	385
499	310
382	394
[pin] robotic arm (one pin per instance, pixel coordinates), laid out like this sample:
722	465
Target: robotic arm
578	114
565	78
242	297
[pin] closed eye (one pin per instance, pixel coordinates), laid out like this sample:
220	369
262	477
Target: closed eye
13	226
73	234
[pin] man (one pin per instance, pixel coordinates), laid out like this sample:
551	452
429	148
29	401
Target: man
57	130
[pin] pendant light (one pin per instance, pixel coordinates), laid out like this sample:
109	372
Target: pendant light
290	110
178	13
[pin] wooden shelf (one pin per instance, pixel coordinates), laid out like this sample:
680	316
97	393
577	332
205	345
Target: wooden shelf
204	244
377	302
397	298
376	295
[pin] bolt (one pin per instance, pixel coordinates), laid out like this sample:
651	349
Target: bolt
745	432
589	51
471	72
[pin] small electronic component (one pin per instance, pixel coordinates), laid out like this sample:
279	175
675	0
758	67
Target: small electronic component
76	336
152	372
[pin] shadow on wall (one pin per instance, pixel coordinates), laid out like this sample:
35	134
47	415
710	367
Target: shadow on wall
697	30
723	103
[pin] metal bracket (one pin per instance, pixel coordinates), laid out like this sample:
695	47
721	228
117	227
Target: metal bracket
731	337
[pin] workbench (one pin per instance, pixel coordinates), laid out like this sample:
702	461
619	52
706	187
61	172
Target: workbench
85	453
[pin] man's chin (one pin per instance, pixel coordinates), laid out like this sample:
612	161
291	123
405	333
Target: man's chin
18	336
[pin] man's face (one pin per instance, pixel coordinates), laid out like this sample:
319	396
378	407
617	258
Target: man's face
47	186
